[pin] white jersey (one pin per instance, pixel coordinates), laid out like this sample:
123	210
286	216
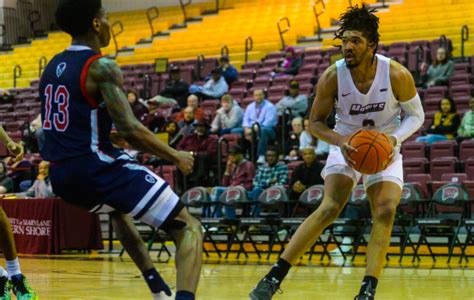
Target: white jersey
378	109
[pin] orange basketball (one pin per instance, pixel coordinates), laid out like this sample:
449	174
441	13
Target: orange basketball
373	151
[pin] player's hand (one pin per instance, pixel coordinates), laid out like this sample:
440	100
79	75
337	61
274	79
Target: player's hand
347	149
185	162
16	149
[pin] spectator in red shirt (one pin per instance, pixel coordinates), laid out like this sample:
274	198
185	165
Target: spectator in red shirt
238	172
204	148
193	102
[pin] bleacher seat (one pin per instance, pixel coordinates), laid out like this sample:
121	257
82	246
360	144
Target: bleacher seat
442	165
443	148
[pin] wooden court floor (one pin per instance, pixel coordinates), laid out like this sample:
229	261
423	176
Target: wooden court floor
105	276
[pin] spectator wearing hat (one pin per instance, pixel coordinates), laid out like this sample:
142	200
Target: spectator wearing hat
214	88
193	102
229	116
228	71
238	172
298	104
290	65
204	148
306	174
176	91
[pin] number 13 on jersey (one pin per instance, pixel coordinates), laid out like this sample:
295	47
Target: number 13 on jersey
56	108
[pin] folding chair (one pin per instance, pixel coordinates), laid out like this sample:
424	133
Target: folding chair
271	201
447	209
468	224
408	210
310	199
345	227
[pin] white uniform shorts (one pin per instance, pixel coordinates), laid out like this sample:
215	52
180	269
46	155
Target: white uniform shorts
336	164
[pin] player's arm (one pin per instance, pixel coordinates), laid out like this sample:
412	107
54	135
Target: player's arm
323	106
404	90
107	79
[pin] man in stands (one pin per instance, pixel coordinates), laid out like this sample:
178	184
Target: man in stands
263	113
188	124
306	174
228	71
298	104
176	91
204	148
238	172
228	117
214	88
466	129
193	102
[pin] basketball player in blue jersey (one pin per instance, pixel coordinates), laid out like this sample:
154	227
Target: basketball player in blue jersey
12	278
366	90
82	96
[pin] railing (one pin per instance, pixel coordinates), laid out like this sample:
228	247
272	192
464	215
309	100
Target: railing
16	74
152	14
42	64
200	62
34	18
319	13
281	31
419	57
220	142
464	38
116	33
147	86
183	4
254	142
248	47
225	51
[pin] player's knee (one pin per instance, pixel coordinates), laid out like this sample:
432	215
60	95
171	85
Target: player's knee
330	211
385	212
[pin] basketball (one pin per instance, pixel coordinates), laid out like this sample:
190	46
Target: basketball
374	149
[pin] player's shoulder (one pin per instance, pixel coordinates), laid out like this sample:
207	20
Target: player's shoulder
398	72
329	76
105	69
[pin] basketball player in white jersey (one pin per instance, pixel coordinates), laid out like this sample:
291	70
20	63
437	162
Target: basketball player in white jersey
367	91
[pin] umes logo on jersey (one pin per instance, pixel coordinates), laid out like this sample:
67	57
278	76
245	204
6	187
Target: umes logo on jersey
60	69
357	109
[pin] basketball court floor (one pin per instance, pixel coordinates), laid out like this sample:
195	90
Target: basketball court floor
106	276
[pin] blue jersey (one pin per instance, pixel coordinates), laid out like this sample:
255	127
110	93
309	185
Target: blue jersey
74	123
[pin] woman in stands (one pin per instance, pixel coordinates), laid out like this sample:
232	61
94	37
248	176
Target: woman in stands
444	125
440	71
289	65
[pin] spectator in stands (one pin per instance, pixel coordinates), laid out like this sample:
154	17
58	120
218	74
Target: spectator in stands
306	174
307	140
228	71
204	148
298	104
6	183
270	174
6	97
229	116
139	108
264	113
293	142
33	135
188	124
172	128
193	102
175	92
466	129
440	71
445	123
238	172
214	88
41	187
290	65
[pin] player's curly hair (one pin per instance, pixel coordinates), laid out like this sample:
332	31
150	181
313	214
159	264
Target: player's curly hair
361	19
75	16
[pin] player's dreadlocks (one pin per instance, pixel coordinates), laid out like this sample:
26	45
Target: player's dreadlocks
361	19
